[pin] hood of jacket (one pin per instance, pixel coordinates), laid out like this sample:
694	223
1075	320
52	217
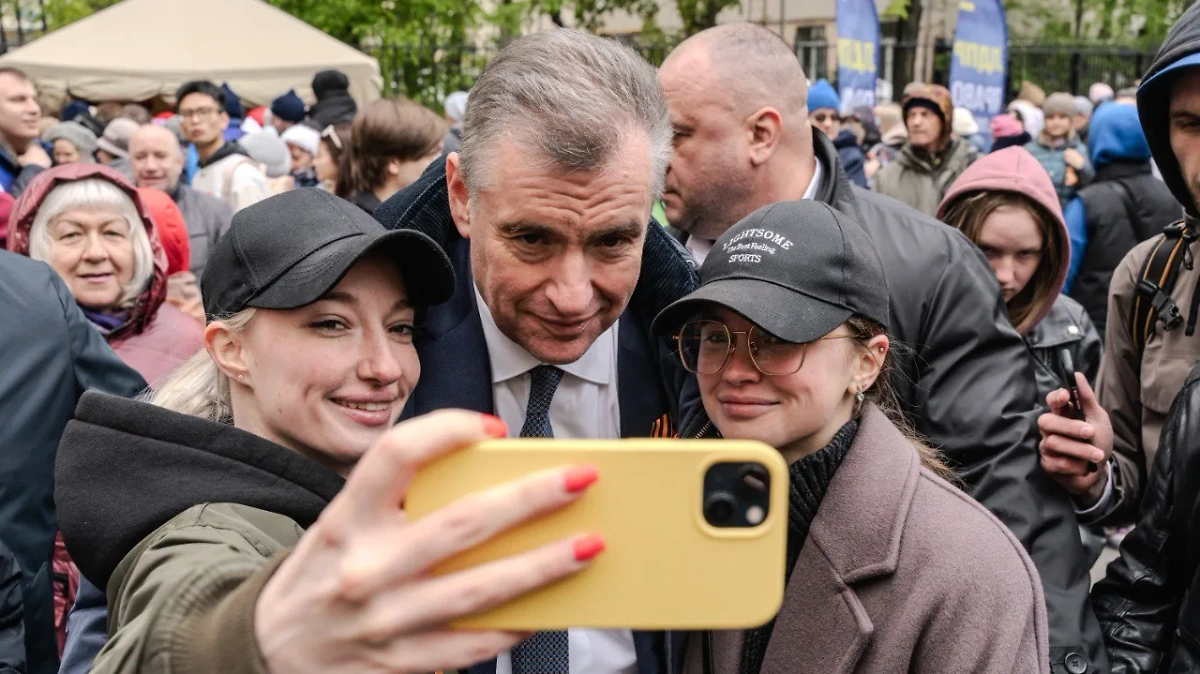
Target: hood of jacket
25	210
1178	51
125	468
1015	170
1115	135
845	138
229	149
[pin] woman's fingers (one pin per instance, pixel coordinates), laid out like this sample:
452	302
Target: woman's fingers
433	602
380	481
375	565
445	650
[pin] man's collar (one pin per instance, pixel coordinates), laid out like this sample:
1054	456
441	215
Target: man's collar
508	359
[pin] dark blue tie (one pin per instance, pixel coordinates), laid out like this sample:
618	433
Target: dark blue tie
544	652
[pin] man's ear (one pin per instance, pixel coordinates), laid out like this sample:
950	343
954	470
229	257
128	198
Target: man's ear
460	197
765	128
226	349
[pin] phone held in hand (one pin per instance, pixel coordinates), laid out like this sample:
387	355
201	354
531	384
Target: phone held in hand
1067	364
695	531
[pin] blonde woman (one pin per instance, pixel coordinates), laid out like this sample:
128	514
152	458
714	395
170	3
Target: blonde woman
248	517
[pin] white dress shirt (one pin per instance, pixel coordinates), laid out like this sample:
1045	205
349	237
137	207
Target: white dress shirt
585	405
700	248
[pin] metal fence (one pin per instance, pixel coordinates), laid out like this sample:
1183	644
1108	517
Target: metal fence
428	73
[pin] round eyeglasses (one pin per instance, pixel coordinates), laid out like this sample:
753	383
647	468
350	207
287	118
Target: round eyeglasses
706	346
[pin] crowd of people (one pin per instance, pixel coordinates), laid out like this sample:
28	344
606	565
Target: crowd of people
232	337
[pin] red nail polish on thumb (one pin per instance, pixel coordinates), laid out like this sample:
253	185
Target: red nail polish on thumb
588	547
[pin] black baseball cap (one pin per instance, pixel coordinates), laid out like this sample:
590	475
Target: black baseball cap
290	249
797	269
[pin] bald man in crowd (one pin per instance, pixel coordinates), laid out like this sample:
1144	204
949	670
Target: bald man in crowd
738	103
157	161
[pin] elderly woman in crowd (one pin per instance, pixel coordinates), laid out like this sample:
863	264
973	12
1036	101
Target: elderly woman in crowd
73	143
88	223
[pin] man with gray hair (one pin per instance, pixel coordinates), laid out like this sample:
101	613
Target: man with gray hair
737	98
545	215
157	161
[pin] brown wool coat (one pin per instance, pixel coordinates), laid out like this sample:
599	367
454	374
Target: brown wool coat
901	572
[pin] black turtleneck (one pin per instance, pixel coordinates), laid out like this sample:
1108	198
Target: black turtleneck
810	478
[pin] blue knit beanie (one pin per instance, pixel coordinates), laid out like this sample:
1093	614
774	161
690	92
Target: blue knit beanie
288	107
233	104
822	96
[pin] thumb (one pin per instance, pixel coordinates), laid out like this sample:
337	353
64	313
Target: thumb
1091	406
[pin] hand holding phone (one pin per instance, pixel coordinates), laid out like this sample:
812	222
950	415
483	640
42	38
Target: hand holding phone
1075	409
696	531
1076	432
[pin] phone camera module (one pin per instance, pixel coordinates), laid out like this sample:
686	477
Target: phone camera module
719	508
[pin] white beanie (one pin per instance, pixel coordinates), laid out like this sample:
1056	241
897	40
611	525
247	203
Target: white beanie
455	106
964	123
304	137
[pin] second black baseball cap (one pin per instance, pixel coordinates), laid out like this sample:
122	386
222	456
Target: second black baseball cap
797	269
289	250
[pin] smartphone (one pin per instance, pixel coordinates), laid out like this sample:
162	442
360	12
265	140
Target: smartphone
1067	365
695	531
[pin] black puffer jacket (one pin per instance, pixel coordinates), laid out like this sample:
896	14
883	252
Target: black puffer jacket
1149	603
960	381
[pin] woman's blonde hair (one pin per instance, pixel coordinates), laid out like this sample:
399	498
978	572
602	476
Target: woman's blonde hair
969	212
199	388
95	193
883	394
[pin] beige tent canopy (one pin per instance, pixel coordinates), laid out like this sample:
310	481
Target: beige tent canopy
139	49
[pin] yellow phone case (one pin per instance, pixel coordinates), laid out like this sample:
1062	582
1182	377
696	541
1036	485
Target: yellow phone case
664	567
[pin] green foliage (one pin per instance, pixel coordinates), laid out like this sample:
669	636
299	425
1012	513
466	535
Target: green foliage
1107	22
60	13
700	14
896	9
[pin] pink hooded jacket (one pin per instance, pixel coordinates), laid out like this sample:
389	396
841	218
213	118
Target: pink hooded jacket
1014	169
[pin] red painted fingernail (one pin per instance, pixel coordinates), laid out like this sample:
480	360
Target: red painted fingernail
580	477
588	547
495	426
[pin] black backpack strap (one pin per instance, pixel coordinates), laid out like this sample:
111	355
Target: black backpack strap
1152	302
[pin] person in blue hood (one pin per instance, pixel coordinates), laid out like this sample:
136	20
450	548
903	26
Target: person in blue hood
823	113
1124	205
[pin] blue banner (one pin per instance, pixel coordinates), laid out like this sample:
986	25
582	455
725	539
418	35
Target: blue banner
980	59
858	53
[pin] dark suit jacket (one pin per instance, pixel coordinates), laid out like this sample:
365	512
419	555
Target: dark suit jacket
656	394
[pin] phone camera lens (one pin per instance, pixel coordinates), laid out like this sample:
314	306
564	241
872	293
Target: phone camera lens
754	478
719	508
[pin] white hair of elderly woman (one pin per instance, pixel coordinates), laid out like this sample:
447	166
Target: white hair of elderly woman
95	193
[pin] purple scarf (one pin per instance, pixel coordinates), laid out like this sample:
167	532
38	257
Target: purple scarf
107	323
